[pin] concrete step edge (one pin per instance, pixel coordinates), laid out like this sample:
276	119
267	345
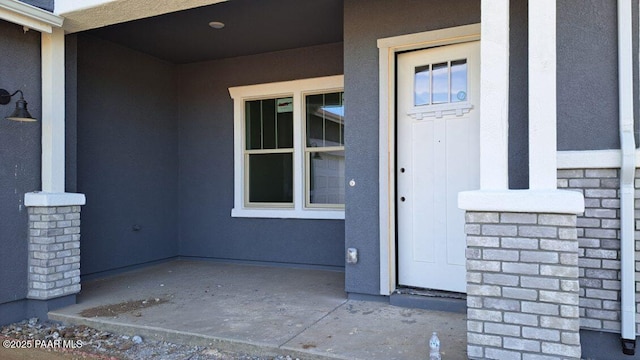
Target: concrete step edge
187	338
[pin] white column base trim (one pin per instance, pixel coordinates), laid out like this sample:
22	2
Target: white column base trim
523	201
53	199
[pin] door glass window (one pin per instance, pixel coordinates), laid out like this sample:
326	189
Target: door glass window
422	93
440	83
459	80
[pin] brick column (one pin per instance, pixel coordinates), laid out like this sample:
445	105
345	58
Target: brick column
522	286
599	240
54	251
54	244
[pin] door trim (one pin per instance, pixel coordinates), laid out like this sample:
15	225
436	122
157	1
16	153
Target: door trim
388	47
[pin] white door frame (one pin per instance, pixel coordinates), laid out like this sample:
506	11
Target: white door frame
388	47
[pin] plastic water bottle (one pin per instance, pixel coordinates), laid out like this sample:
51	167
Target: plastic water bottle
434	347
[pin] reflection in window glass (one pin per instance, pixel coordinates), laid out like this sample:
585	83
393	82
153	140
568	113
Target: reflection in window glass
269	124
325	119
422	86
440	84
253	124
271	178
326	177
459	80
324	150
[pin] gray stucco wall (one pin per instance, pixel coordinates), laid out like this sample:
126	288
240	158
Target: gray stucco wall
19	155
206	164
71	113
127	156
365	21
518	92
587	75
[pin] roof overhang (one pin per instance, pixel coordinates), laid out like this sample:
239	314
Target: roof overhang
29	16
83	15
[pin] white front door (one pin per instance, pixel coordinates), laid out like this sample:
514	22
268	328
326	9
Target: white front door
437	156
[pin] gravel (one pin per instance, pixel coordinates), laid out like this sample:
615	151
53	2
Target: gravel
118	346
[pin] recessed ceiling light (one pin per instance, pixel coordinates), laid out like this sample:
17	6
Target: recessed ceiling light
216	25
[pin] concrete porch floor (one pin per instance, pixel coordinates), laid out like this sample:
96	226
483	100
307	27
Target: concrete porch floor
264	311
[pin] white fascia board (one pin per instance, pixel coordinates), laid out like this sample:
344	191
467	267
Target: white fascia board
46	199
66	6
30	16
522	201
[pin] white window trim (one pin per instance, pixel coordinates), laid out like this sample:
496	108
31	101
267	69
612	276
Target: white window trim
296	89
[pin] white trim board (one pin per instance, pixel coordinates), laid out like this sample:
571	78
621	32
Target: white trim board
53	113
494	95
29	16
592	159
388	47
542	94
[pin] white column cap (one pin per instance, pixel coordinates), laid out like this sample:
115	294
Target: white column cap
53	199
522	201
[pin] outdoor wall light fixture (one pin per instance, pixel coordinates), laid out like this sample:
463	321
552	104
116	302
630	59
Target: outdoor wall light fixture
20	113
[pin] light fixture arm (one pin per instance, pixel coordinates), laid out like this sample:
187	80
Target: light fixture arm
4	94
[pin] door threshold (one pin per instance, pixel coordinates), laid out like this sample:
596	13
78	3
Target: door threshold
427	299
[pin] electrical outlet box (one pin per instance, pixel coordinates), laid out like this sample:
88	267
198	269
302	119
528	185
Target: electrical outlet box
352	256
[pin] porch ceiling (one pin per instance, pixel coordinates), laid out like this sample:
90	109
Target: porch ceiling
251	27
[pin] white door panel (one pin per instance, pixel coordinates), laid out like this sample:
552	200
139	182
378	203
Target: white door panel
438	156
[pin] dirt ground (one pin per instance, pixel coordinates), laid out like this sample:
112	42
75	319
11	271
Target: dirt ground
124	307
42	354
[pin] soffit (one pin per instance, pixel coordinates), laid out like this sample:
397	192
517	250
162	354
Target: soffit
90	14
251	27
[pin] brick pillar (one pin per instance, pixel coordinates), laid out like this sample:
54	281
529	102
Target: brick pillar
522	286
54	251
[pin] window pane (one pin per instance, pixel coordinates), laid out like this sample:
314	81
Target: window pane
326	177
315	123
268	124
284	123
440	87
325	119
342	127
271	178
332	112
253	110
459	80
422	86
285	130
